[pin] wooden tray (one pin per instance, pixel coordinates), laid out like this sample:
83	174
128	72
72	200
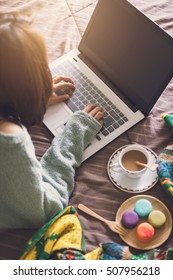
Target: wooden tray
161	234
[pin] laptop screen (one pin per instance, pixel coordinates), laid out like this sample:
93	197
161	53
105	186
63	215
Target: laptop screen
130	50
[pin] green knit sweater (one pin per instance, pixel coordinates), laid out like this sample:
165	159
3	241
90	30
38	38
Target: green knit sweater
32	192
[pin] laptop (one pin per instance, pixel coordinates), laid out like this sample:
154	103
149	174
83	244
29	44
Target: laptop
123	63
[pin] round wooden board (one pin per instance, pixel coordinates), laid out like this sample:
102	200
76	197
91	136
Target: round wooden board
161	234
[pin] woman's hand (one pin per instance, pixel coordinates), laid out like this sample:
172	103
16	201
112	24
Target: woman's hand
95	111
59	83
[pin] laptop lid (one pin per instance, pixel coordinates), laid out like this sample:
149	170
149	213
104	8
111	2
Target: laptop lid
133	52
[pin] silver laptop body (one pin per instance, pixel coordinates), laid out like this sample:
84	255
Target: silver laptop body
123	63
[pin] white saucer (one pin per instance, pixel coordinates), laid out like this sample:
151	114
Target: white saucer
131	185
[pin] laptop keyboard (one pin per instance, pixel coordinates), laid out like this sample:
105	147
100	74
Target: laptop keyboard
86	92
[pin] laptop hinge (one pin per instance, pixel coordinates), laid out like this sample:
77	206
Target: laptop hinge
131	105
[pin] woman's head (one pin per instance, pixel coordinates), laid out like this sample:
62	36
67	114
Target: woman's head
25	79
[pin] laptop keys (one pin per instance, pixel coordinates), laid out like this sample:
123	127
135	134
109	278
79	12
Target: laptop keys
86	92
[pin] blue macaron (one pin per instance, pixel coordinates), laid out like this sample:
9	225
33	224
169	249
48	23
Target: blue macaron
143	207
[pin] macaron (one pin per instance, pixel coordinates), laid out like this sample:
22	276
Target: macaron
145	232
157	218
143	207
130	219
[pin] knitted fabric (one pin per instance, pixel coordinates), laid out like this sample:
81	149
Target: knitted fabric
32	191
63	239
165	169
165	161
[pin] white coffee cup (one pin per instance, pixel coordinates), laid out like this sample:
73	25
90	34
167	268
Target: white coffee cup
128	157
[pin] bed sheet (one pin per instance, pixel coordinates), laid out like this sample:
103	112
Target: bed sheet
62	23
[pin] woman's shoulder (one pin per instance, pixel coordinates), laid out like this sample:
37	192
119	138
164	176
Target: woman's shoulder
10	127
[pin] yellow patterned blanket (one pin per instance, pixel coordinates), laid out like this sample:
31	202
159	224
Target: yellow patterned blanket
62	238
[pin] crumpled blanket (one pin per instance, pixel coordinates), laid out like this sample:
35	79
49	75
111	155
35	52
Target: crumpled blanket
62	238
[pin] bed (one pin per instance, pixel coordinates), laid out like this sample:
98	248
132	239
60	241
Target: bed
62	23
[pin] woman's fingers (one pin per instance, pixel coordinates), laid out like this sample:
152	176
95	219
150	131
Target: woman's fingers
88	108
95	111
63	85
59	79
61	82
54	99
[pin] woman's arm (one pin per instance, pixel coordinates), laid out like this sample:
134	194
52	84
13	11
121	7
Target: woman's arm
66	152
32	192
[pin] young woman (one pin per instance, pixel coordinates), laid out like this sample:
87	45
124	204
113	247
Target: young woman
32	192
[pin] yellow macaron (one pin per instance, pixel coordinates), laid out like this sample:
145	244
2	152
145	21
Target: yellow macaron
157	218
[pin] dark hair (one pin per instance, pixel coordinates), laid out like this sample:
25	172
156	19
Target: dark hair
25	78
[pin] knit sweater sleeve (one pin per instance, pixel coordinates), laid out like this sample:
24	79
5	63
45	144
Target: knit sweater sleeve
32	192
66	152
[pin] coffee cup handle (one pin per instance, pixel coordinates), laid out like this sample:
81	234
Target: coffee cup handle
116	167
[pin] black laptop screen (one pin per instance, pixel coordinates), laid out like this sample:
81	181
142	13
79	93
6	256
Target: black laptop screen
132	51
